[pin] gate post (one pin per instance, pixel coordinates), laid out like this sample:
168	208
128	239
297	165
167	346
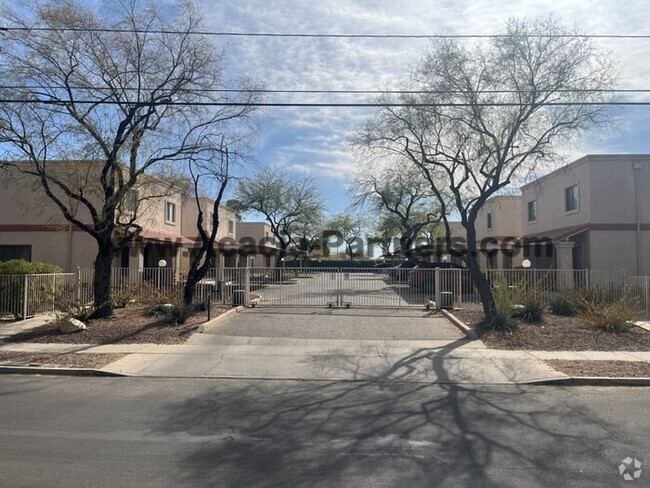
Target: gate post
436	284
247	285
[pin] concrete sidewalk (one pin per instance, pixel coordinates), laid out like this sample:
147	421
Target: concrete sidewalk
210	356
428	350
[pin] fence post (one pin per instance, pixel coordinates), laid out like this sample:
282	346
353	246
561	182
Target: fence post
647	297
436	284
25	296
247	285
54	292
79	285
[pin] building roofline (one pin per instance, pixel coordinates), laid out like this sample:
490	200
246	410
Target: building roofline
584	159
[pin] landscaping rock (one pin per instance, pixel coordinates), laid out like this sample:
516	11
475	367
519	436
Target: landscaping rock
70	325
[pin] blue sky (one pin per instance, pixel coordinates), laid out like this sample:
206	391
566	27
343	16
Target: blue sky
312	141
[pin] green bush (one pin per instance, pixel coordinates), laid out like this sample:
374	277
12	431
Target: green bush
563	305
14	281
20	266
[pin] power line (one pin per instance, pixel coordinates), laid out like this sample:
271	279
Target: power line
322	35
322	104
330	92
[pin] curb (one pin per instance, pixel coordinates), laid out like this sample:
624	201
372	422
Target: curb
38	370
460	324
593	381
218	319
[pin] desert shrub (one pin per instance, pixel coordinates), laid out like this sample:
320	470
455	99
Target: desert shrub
125	295
614	317
501	322
563	305
149	294
530	311
20	266
175	313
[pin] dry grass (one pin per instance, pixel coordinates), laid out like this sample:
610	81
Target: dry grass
68	360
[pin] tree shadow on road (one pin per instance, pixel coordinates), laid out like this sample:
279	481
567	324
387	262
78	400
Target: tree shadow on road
386	431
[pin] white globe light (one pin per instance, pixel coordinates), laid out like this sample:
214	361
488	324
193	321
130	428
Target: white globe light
526	263
162	263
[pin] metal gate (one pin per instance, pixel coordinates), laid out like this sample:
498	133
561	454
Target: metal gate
335	287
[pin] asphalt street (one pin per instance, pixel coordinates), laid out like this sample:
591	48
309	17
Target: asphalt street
108	432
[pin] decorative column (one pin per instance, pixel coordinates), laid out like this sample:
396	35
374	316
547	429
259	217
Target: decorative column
136	262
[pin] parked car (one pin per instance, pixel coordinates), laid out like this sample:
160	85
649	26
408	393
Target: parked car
422	276
401	271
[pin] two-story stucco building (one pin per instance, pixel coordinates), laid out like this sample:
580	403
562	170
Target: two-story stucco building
33	227
592	213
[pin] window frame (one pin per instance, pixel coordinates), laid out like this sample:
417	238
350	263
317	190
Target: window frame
576	198
534	206
489	221
170	205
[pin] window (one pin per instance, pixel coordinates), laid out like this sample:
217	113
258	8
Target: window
489	220
231	227
131	201
532	211
170	212
571	198
15	252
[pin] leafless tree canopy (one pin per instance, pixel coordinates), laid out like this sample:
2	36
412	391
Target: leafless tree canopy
399	195
474	140
290	206
129	100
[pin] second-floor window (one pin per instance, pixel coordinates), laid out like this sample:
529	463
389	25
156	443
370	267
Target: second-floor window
170	212
131	201
231	227
489	220
532	211
571	198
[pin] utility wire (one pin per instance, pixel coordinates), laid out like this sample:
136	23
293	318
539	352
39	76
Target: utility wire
323	104
326	92
323	36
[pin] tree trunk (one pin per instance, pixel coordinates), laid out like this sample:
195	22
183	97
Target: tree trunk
405	244
478	278
193	277
103	302
281	255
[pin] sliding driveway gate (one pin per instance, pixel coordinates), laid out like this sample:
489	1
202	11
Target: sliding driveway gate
340	287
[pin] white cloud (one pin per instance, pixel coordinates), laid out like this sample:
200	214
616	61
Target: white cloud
312	140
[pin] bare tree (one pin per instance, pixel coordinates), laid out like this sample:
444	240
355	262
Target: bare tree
493	113
215	173
400	190
124	90
286	204
348	227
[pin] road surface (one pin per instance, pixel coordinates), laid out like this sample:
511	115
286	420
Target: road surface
107	432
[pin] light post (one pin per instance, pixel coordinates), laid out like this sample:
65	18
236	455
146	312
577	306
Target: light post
161	264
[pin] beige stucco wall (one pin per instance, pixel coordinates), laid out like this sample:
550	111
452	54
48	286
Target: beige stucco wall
190	213
506	213
255	230
68	250
549	193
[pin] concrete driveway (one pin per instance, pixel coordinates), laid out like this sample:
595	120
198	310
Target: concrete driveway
337	324
341	344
